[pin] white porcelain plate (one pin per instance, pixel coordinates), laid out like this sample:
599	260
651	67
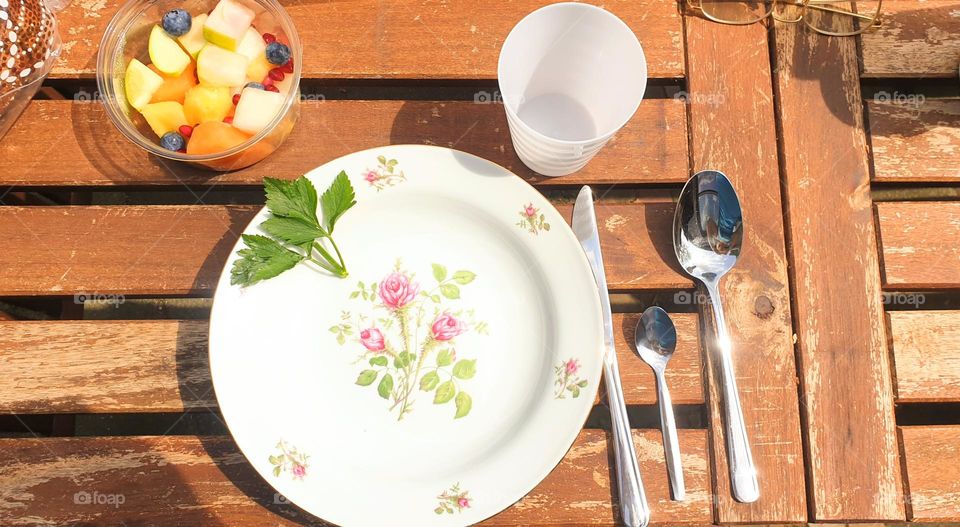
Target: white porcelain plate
445	377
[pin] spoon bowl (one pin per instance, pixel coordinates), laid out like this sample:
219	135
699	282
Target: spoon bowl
656	337
708	226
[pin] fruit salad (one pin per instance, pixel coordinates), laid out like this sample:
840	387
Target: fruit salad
213	80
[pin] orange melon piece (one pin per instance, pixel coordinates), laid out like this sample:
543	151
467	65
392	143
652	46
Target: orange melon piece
175	88
213	137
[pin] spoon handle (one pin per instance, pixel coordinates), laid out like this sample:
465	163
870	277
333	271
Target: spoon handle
743	475
671	444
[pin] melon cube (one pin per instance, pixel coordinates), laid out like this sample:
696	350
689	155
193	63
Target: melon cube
204	103
219	67
256	109
164	116
227	24
252	45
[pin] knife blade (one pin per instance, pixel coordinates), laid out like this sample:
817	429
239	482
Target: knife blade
633	501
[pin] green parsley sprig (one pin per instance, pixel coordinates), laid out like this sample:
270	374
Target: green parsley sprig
296	233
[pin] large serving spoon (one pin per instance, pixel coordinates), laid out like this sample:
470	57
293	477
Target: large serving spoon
656	340
707	236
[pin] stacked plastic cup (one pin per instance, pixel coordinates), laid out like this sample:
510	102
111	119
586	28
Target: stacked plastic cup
571	75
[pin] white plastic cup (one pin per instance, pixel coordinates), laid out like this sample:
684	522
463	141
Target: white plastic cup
570	76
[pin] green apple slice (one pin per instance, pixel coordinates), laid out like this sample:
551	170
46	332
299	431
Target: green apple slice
193	41
227	24
166	54
140	83
256	109
219	67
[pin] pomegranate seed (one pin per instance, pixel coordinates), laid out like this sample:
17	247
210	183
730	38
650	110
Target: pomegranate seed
228	119
186	130
276	74
182	150
288	67
267	81
272	88
268	38
236	98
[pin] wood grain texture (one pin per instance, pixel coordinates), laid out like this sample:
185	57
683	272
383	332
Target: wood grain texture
918	38
153	250
733	130
141	366
652	148
105	366
400	39
932	457
926	352
854	466
187	480
180	250
915	141
919	243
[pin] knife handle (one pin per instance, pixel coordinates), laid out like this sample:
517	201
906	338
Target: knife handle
633	501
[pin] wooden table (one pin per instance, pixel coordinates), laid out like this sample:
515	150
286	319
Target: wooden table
851	392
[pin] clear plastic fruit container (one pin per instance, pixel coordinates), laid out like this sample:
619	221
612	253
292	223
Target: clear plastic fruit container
126	39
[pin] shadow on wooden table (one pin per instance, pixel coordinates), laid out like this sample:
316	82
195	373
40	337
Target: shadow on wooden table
804	47
236	474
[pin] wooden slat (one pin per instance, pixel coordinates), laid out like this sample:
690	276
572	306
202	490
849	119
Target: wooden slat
919	241
402	38
652	148
175	250
161	366
187	480
105	366
841	336
918	38
117	250
932	460
926	352
734	131
916	140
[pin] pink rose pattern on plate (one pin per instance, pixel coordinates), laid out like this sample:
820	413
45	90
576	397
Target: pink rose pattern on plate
532	220
385	175
453	500
289	459
408	340
568	379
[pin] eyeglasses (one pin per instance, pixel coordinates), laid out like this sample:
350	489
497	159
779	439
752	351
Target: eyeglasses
829	17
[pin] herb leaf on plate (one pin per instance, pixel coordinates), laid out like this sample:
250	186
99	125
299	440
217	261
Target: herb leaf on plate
337	199
293	224
263	258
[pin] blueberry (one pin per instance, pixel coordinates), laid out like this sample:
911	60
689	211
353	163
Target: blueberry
278	53
254	85
172	141
177	22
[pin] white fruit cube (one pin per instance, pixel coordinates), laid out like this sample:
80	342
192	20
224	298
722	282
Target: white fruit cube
256	109
227	24
219	67
252	45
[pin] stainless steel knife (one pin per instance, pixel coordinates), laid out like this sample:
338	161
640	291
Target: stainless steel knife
633	502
